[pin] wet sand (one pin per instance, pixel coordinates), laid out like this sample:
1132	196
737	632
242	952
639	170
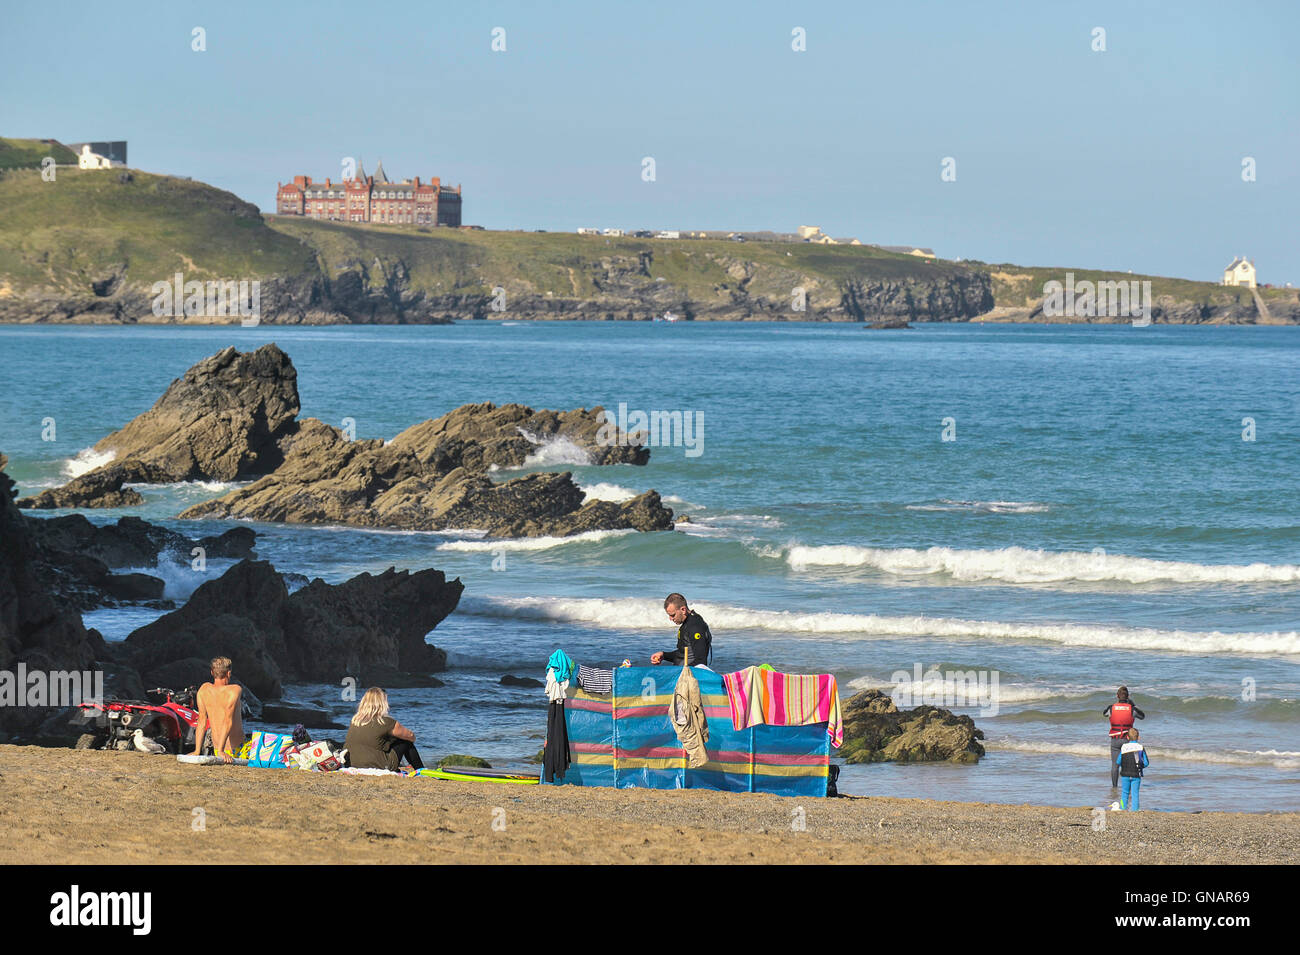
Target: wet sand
68	806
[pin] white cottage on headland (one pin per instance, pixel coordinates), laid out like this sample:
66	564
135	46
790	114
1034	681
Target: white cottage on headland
103	155
1240	272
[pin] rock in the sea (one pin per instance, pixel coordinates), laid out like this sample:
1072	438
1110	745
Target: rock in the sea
481	436
73	557
234	415
219	422
523	681
371	625
134	586
420	483
132	542
99	488
223	420
453	760
310	717
875	730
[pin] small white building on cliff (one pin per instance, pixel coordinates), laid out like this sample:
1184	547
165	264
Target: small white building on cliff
1240	272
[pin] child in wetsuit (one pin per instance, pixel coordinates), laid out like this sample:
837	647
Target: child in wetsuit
1132	759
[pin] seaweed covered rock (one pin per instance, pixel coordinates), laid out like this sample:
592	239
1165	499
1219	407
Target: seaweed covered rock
875	730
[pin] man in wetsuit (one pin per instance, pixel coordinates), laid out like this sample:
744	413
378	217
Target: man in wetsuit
694	641
1121	714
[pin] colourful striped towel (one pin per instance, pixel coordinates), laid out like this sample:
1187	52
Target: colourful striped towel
784	699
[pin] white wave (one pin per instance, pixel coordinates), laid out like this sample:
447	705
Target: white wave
680	502
529	543
179	577
602	491
1008	693
1024	566
741	520
738	526
212	487
629	613
1236	757
983	507
554	450
87	459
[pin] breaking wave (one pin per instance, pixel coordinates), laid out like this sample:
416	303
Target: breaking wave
553	451
602	491
983	507
87	459
1021	565
529	543
635	613
1278	759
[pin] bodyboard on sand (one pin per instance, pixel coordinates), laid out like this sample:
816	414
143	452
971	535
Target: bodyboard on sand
468	774
208	760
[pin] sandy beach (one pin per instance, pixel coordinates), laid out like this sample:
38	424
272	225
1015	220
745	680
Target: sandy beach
66	806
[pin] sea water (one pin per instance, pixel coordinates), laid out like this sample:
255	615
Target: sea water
1060	508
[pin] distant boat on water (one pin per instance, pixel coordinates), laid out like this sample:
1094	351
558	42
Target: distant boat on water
668	317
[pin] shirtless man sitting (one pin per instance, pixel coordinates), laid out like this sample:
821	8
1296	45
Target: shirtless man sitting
220	703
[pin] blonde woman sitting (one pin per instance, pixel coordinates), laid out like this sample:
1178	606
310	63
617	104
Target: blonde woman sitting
376	740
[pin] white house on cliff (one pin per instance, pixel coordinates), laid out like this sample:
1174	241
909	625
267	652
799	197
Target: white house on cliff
1240	272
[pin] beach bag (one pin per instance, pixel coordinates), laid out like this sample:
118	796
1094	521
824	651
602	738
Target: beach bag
267	750
324	757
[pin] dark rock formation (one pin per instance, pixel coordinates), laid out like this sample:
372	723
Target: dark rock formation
290	713
219	422
875	730
132	542
366	627
101	487
434	476
452	760
953	298
74	557
35	629
522	681
223	420
234	415
485	435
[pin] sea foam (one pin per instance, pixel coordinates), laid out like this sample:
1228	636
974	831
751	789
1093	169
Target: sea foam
1021	565
632	613
87	459
1239	757
529	543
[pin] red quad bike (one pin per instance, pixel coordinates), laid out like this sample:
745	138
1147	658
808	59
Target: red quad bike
112	724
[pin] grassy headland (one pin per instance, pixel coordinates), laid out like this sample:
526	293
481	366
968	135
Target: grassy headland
89	246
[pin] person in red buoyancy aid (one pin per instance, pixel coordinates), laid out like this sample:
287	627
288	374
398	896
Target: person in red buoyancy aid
1121	714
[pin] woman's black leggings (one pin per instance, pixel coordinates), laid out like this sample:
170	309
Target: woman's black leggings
406	750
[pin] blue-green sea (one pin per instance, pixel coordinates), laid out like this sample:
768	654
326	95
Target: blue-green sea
1062	509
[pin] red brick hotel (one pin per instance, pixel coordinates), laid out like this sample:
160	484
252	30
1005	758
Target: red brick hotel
371	199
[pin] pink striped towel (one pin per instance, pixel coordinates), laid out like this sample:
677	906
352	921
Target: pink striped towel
784	699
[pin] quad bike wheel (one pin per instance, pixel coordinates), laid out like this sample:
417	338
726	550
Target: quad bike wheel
88	741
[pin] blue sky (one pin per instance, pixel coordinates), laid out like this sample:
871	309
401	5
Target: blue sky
1128	159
